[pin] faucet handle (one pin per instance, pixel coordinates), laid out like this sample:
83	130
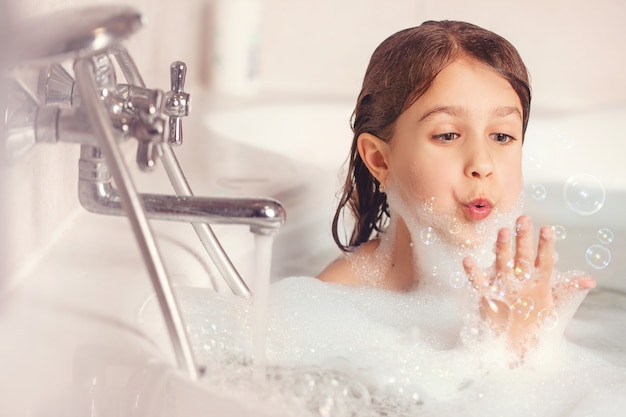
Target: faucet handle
178	72
177	102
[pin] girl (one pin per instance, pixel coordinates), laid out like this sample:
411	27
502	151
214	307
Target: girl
435	176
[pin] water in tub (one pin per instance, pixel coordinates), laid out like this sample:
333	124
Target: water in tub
334	350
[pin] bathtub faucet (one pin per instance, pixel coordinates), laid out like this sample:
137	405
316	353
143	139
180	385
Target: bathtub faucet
96	111
135	111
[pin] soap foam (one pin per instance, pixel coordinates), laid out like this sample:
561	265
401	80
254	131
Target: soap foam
347	350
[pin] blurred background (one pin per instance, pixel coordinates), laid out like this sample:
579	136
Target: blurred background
574	50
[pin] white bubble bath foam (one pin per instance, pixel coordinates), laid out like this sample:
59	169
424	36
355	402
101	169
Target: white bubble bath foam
341	351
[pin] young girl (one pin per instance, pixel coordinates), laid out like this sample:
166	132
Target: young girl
435	177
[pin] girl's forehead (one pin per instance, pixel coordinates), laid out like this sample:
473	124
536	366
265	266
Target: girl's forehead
469	83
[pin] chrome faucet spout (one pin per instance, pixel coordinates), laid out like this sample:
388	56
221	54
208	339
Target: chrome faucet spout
97	194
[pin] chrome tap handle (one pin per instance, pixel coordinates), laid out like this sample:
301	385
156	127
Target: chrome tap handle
178	72
147	155
55	86
149	135
177	102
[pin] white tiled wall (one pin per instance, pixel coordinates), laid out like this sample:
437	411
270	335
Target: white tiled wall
574	49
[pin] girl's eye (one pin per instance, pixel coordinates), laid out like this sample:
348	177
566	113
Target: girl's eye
502	137
446	137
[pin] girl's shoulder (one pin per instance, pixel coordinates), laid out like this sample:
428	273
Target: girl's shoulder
341	270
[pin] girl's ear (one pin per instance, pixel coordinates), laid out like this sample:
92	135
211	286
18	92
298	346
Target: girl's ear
374	153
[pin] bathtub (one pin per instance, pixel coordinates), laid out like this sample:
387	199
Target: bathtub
88	338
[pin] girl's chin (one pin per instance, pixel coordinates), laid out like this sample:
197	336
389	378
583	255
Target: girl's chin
464	234
468	239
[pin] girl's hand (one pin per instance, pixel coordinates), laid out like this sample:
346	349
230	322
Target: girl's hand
520	297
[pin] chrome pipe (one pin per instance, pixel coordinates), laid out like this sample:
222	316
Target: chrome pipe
127	66
133	208
210	242
264	216
182	188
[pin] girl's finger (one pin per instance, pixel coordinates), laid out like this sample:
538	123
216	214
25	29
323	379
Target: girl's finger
504	261
586	283
574	283
524	251
545	253
475	275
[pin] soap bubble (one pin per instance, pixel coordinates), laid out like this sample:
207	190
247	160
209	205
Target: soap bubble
519	229
538	192
474	333
455	226
429	205
564	140
428	236
523	307
494	290
584	194
536	161
457	279
548	319
605	236
523	270
559	232
326	408
598	256
480	227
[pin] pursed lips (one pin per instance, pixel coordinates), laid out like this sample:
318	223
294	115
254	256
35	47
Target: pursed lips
479	208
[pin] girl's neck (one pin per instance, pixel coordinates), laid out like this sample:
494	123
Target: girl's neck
402	273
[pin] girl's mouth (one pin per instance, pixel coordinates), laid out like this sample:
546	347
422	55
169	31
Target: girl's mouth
478	209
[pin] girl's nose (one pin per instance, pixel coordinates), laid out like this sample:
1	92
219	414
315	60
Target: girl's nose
479	163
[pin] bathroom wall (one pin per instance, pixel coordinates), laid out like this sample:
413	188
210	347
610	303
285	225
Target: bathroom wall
574	50
4	29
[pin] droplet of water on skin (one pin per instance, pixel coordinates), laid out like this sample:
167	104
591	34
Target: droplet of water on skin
510	264
519	229
598	256
584	194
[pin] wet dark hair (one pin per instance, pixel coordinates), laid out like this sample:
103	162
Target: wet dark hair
400	71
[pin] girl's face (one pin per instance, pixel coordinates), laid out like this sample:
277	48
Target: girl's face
456	152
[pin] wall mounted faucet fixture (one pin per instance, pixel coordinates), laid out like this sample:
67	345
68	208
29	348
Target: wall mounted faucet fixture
93	109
